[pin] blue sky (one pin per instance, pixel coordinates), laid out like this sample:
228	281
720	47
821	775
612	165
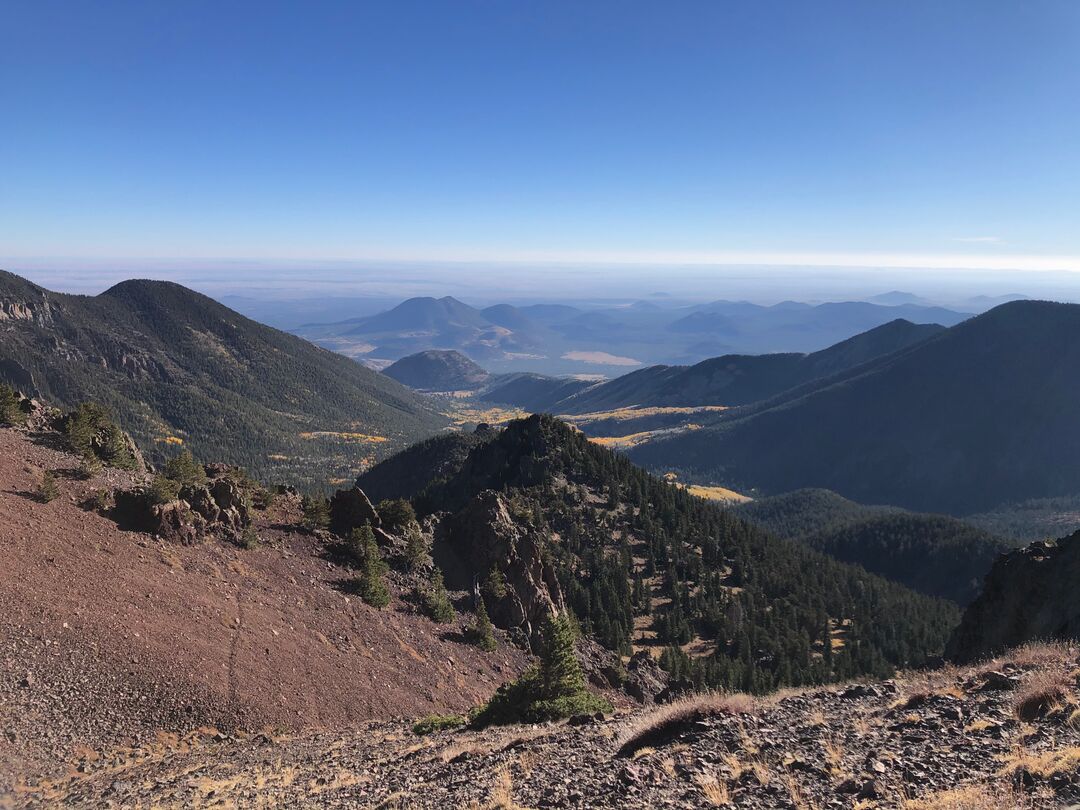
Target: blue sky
881	133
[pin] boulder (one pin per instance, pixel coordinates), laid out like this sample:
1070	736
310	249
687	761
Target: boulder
176	522
350	509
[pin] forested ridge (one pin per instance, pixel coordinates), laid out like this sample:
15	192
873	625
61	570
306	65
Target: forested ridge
644	564
980	414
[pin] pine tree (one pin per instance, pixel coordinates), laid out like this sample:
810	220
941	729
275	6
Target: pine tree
397	514
249	538
371	584
417	552
184	470
316	512
481	632
114	448
48	490
83	425
436	601
162	490
10	412
560	672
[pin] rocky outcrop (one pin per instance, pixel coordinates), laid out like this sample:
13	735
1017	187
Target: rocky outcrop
488	538
1032	593
38	311
350	509
645	678
219	510
177	522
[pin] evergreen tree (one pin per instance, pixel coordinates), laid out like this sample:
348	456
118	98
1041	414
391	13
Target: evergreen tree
185	470
550	691
10	412
89	466
316	509
436	601
417	550
371	584
162	490
397	514
495	583
481	632
48	490
83	425
114	449
249	539
560	672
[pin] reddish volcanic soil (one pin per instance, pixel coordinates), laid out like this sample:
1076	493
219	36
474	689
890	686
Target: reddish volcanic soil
107	634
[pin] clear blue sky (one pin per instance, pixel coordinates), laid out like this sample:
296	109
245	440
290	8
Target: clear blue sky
614	130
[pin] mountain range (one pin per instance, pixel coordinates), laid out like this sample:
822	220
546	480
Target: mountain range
176	367
609	340
202	615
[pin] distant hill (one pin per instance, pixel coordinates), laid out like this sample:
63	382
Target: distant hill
895	298
726	380
170	362
435	370
420	313
1033	519
741	379
792	325
799	514
420	324
983	413
408	473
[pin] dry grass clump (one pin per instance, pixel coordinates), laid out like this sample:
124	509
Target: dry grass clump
834	755
1036	654
969	797
1040	695
1043	764
815	718
861	725
799	800
663	724
501	797
715	791
483	745
912	699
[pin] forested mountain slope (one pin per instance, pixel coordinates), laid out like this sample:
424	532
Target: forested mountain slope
934	554
644	564
983	413
170	362
741	379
